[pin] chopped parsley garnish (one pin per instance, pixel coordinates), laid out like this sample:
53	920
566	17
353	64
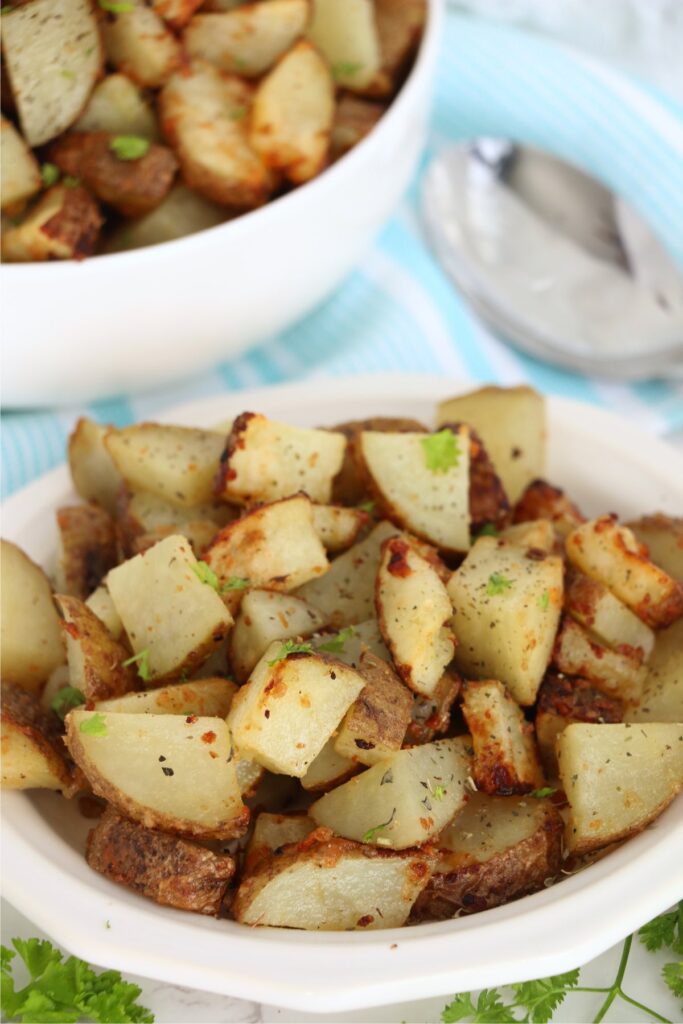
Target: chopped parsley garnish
290	647
372	832
487	530
346	69
544	601
439	792
116	6
129	147
497	584
70	182
141	659
205	574
336	644
369	507
541	794
68	73
66	699
234	583
94	725
50	174
441	451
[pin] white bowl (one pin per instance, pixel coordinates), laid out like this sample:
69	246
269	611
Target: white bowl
126	322
605	463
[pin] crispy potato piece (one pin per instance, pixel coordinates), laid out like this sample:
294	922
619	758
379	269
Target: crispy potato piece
264	461
290	707
138	44
540	500
144	518
537	533
249	39
293	112
33	754
207	698
597	609
345	31
181	212
505	754
273	831
338	527
176	13
375	724
488	501
53	58
87	549
274	546
94	475
20	171
432	715
349	643
331	885
562	700
204	114
30	636
354	118
399	27
496	850
328	769
170	871
507	605
511	423
118	106
610	553
266	616
618	778
617	673
663	536
63	225
662	697
413	609
351	484
162	771
101	604
95	659
133	187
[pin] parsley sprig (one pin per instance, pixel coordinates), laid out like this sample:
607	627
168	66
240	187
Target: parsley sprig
66	699
497	584
141	659
336	644
441	451
290	647
205	574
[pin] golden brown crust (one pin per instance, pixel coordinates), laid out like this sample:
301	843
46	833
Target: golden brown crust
351	484
89	548
541	500
575	698
380	715
76	225
489	505
103	673
23	712
432	715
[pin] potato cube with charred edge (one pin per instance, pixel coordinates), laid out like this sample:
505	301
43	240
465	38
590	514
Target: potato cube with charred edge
506	605
402	801
264	461
96	660
144	518
494	851
101	604
169	772
64	224
208	698
345	31
350	486
329	769
354	118
432	715
20	171
563	700
617	673
662	697
170	871
290	707
31	644
413	609
541	500
596	608
536	534
376	723
33	754
505	754
610	553
94	475
175	463
663	536
176	13
488	501
248	40
87	549
265	616
421	482
173	620
137	43
617	778
118	106
272	832
338	527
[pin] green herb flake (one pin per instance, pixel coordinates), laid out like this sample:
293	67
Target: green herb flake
141	659
673	976
372	832
205	574
70	182
369	507
487	530
497	584
129	147
290	647
544	601
116	6
68	74
50	174
107	924
238	113
235	583
94	725
66	699
439	792
346	69
336	644
441	451
541	794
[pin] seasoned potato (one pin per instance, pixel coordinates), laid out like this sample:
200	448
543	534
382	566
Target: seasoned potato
662	697
176	13
181	212
133	187
346	33
413	609
33	755
274	546
433	503
30	636
118	106
354	118
618	778
507	605
540	500
94	475
331	885
488	501
273	831
293	112
207	698
328	769
610	553
349	643
173	620
175	463
338	527
432	715
618	673
505	754
290	707
168	870
350	486
399	26
562	700
596	609
87	549
137	43
663	536
57	680
203	114
20	177
496	850
249	39
53	57
144	518
536	533
401	801
375	724
96	660
64	224
264	461
162	771
265	616
101	604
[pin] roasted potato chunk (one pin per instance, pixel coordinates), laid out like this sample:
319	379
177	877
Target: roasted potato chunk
338	527
350	486
265	616
617	673
137	43
207	698
33	755
87	549
143	519
663	536
118	106
328	770
535	534
249	39
64	224
399	27
96	660
662	696
354	118
94	475
273	831
20	171
375	724
505	755
345	31
181	212
432	715
101	604
176	13
541	500
597	609
562	700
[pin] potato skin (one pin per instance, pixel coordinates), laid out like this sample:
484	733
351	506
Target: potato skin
22	710
89	548
541	500
489	503
170	871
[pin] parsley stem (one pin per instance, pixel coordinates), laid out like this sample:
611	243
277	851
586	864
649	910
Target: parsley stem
616	987
645	1009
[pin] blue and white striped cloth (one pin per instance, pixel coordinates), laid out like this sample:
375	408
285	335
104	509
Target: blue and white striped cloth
398	311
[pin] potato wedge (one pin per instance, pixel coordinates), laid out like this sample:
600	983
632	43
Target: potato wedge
181	212
536	533
170	871
617	673
563	700
345	31
162	771
96	660
663	536
328	769
20	178
265	616
354	118
618	778
506	758
33	755
540	500
173	620
596	608
264	461
273	831
118	106
506	613
494	851
489	505
30	636
432	715
338	527
399	28
94	475
137	43
63	225
101	604
53	58
204	114
351	484
207	698
249	39
144	518
87	549
331	885
610	553
414	611
375	724
176	13
290	707
662	696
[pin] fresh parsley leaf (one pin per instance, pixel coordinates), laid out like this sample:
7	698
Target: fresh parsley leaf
487	530
345	69
369	507
141	659
497	584
441	451
116	6
544	601
673	976
95	725
460	1007
542	997
234	583
205	574
541	794
50	174
372	832
665	930
290	647
66	699
336	644
439	792
129	147
70	182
